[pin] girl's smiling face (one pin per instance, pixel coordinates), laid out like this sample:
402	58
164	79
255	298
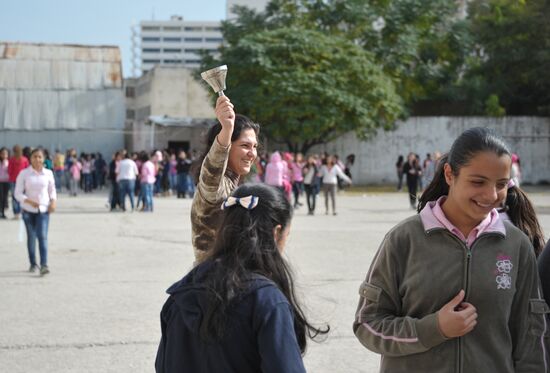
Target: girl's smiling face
477	187
243	152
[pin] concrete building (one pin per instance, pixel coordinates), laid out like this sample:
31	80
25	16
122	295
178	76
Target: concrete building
166	108
61	96
177	42
257	5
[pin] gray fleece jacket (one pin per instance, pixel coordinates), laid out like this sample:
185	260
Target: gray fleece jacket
417	271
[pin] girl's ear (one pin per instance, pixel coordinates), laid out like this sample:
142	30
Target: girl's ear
277	232
278	235
448	172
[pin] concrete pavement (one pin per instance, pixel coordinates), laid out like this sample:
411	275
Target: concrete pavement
98	310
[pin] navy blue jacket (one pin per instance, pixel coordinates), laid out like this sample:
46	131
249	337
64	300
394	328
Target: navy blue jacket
259	335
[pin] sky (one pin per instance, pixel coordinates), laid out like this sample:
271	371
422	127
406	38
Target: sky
95	22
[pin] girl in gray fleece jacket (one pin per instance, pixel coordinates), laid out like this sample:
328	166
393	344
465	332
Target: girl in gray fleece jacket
455	289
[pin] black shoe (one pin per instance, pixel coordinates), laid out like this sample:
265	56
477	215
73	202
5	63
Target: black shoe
33	268
44	270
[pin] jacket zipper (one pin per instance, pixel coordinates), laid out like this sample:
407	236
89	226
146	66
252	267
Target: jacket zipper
466	284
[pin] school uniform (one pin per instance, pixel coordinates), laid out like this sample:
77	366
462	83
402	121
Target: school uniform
421	265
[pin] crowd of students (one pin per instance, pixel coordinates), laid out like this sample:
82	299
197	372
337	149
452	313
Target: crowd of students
296	176
146	175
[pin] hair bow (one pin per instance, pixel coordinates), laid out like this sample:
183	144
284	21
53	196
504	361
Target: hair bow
511	183
248	202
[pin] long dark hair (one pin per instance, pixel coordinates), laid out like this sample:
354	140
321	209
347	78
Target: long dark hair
245	246
464	148
522	214
241	123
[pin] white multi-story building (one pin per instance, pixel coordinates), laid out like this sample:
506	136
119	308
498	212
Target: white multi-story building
257	5
177	41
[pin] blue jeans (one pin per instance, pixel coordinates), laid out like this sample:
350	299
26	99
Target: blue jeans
87	182
37	227
147	193
183	184
127	187
14	203
190	186
173	181
58	175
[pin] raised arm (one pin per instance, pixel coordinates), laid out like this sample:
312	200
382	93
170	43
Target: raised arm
215	163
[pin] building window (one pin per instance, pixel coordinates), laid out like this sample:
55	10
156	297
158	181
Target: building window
146	39
171	50
143	112
212	29
151	61
214	40
192	50
150	28
193	40
192	61
193	28
172	40
172	61
172	28
130	92
130	114
151	50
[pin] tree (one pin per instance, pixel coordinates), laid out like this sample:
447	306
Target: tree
512	54
306	87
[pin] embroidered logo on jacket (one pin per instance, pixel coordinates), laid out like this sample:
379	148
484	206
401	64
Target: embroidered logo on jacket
504	268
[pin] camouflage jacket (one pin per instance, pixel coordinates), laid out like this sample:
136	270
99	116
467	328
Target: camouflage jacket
215	184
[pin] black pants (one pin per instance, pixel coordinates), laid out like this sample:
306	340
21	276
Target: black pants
412	184
4	191
297	190
115	195
311	196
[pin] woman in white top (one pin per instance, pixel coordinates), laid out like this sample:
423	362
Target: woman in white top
35	190
329	174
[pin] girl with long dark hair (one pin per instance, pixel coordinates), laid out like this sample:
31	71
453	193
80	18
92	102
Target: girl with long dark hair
231	148
484	312
237	312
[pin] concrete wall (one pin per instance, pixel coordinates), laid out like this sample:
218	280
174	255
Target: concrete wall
175	93
529	137
170	91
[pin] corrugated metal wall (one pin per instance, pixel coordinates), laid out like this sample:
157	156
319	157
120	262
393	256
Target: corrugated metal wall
58	87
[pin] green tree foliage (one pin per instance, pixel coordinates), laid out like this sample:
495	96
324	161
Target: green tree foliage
419	44
512	54
306	87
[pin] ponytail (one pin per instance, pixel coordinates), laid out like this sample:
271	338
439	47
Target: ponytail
522	214
438	187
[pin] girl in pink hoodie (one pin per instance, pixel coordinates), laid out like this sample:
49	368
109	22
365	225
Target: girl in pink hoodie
274	171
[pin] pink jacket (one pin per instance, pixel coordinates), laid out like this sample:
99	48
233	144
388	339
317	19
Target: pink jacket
275	170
